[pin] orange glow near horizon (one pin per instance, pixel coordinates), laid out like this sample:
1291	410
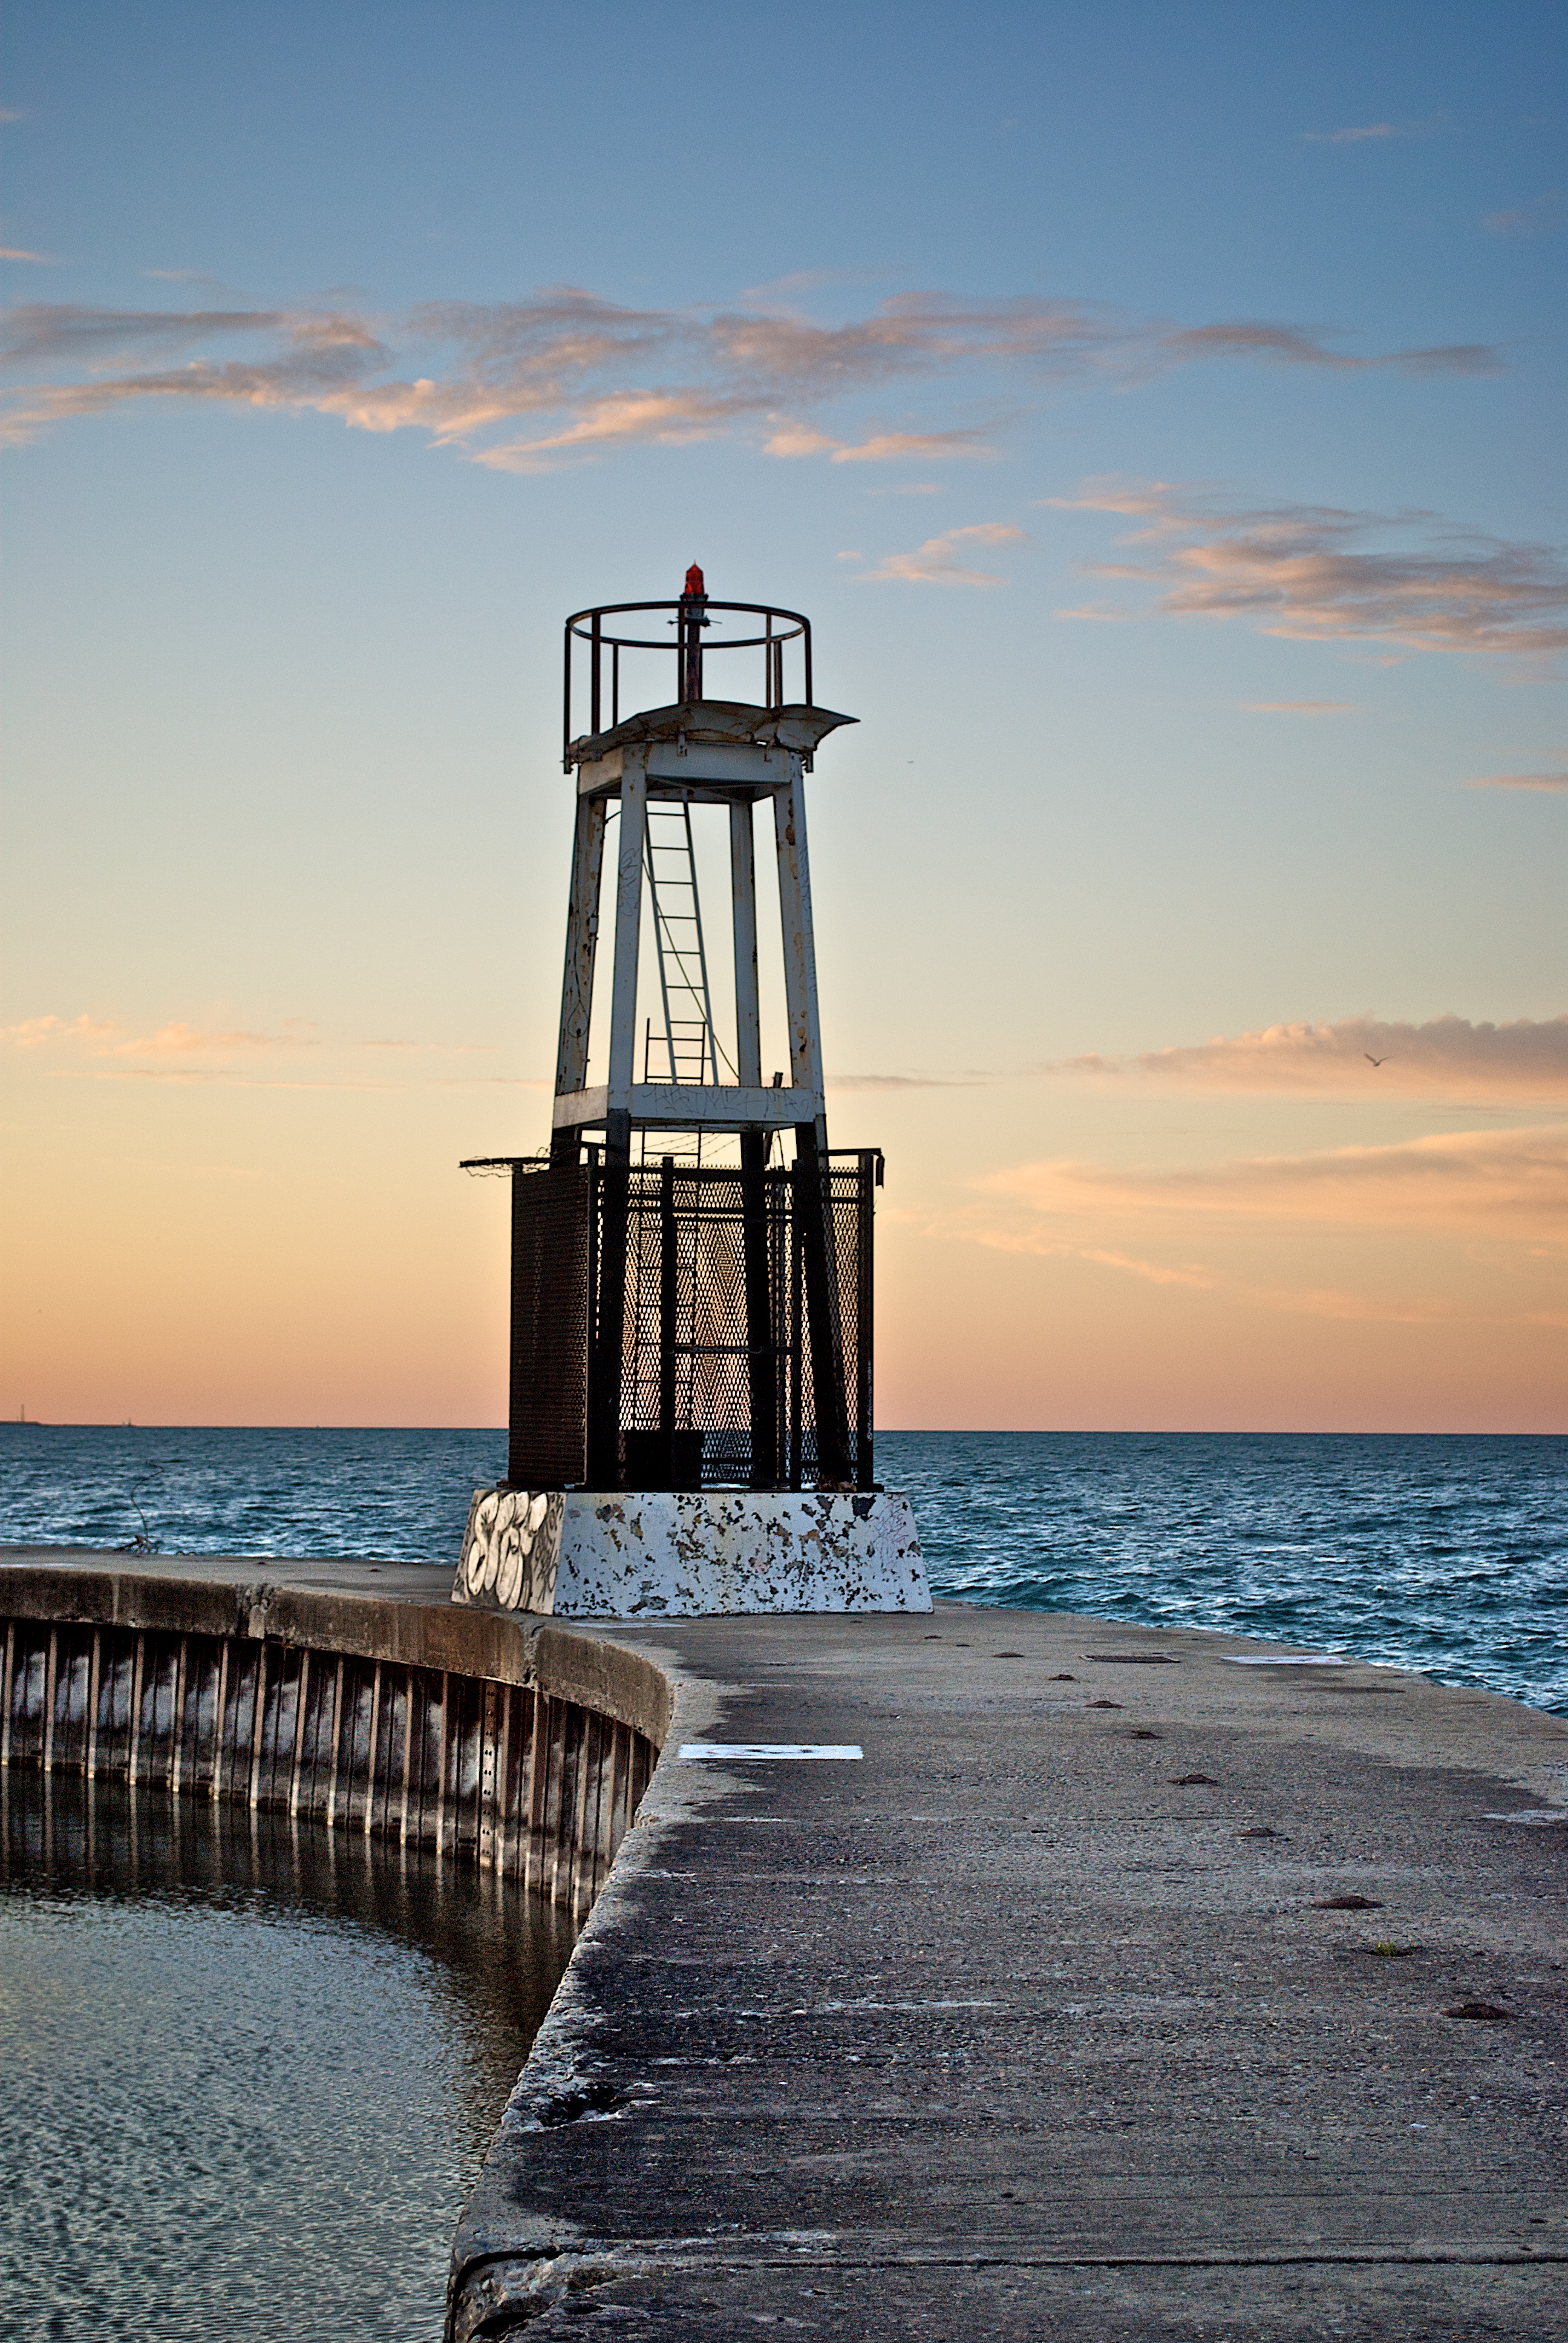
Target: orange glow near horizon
302	1249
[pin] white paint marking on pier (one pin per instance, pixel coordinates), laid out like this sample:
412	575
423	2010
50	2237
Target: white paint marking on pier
693	1751
841	2008
1289	1660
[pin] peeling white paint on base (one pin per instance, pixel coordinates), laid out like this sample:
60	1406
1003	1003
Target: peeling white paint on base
687	1554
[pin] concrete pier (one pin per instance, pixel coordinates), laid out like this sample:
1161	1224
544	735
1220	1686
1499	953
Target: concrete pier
1049	2016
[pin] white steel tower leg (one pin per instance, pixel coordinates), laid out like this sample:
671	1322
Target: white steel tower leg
763	1357
800	950
812	1201
582	934
627	939
743	896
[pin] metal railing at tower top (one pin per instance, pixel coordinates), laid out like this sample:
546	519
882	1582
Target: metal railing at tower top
699	633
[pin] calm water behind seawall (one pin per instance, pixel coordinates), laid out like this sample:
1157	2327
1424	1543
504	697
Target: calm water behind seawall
1443	1552
252	2067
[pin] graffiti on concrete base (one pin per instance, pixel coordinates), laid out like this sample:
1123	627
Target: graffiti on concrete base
510	1549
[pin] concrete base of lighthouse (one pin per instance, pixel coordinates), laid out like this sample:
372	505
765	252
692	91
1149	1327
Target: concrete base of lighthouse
689	1555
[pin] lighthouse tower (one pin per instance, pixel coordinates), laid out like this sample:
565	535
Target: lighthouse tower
691	1418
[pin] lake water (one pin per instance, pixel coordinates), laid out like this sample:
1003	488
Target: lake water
251	2068
1443	1552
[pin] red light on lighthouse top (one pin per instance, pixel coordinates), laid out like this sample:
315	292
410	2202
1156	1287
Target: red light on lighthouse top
694	580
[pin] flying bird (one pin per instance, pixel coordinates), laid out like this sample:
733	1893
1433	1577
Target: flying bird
1372	1060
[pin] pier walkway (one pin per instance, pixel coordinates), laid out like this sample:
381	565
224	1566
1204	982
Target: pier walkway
1052	2015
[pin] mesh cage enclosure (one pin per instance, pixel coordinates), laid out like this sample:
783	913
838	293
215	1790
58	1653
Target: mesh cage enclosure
547	1416
679	1325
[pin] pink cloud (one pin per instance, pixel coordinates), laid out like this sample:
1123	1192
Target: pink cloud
667	417
909	1082
1541	216
1512	1182
1309	571
1299	346
181	1040
905	446
1052	1234
103	1037
1359	133
36	1032
1445	1058
938	562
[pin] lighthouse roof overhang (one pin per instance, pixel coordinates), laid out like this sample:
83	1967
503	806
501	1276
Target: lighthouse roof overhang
715	723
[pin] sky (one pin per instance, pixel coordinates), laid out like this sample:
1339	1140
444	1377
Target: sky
1157	408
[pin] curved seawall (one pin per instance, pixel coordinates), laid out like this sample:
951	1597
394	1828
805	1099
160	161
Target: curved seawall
514	1747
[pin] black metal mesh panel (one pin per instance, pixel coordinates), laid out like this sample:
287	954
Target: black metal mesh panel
688	1344
695	1368
850	1187
551	1282
714	1382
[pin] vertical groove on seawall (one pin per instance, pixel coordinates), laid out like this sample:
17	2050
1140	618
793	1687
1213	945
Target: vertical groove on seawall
510	1780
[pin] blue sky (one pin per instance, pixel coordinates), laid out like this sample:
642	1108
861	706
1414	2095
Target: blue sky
1158	412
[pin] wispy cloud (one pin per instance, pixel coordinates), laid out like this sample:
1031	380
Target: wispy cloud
883	447
947	1081
41	1032
226	1078
103	1037
910	446
180	1040
782	293
324	358
1357	133
940	561
1037	1238
1525	1060
583	375
667	419
1541	216
1302	346
1513	1183
1316	572
1557	781
1522	1064
102	1050
1257	1232
63	333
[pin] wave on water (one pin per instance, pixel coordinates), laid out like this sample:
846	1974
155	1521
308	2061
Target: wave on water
1441	1552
